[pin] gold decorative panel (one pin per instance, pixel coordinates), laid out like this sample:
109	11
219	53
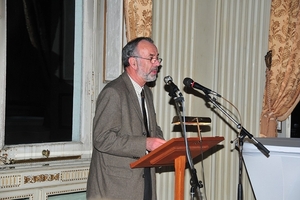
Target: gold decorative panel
41	178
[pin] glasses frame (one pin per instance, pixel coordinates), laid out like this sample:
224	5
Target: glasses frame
152	60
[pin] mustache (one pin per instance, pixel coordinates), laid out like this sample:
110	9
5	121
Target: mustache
154	69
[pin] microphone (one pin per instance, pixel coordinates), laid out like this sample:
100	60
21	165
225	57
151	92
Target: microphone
190	83
173	88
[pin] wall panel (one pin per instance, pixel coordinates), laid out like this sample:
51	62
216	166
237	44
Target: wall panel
221	45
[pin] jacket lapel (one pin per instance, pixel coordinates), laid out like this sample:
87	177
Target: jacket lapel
132	95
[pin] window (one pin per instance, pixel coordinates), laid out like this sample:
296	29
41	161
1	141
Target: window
39	71
83	73
43	93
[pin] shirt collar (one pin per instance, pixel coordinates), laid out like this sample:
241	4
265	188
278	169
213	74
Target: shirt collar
137	87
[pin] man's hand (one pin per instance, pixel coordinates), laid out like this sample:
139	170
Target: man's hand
153	143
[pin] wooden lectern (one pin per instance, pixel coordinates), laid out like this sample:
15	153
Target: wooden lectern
173	152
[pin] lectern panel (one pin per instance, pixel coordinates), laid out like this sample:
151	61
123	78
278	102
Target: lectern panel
165	155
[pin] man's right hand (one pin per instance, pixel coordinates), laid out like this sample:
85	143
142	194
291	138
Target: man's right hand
153	143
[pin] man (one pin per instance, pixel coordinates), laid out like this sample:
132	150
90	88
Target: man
120	133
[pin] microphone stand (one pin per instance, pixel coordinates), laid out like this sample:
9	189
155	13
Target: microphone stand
243	134
194	182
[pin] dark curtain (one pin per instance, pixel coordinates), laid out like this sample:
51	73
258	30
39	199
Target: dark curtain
38	35
35	86
41	23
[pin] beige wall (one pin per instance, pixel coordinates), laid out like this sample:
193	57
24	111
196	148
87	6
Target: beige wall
221	45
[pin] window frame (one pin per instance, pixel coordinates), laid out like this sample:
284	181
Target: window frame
95	23
80	146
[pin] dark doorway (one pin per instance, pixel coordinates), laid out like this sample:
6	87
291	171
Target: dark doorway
40	65
295	122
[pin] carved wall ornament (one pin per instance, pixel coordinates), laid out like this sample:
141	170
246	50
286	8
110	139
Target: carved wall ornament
41	178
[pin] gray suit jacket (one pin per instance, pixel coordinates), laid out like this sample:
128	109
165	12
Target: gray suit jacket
119	138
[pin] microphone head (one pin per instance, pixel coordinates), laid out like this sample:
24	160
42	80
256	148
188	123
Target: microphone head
167	79
188	82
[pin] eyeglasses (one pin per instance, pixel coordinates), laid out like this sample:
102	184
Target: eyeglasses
152	60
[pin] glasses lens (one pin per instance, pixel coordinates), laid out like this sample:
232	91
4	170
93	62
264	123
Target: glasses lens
153	60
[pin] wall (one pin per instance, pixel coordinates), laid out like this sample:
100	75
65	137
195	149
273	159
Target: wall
221	45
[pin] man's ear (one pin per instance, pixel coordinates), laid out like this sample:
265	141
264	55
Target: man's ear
132	62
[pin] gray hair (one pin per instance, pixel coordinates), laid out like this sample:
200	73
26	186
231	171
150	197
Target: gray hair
130	49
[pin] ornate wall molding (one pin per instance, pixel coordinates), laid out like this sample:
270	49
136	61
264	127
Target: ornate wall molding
41	182
67	191
10	181
41	178
74	175
29	196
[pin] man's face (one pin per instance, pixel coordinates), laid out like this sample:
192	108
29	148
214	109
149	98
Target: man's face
148	63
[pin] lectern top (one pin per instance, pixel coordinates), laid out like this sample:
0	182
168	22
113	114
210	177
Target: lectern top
166	154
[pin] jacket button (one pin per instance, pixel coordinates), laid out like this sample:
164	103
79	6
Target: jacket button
144	134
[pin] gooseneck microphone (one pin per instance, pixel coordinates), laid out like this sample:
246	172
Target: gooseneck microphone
190	83
173	88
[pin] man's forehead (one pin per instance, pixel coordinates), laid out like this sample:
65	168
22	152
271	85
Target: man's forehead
147	48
